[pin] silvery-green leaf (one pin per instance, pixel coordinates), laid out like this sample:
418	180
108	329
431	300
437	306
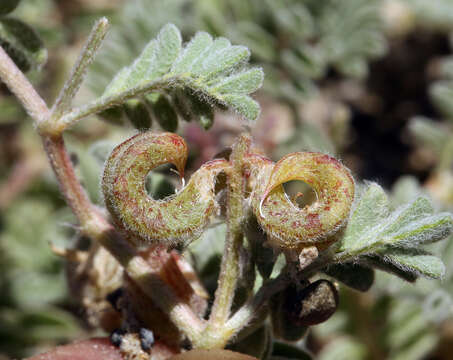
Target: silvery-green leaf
420	265
167	50
373	229
427	230
244	105
389	267
244	82
372	208
192	53
213	71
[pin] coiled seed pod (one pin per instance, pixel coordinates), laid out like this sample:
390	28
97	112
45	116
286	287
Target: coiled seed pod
290	227
175	219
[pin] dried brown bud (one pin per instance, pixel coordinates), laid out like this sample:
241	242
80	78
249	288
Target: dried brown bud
294	310
312	305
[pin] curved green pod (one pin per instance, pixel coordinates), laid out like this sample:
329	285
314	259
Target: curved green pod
175	219
289	226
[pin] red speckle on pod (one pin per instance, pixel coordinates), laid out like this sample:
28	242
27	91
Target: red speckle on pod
313	221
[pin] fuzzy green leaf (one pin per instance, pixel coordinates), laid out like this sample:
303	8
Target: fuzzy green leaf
192	53
372	229
421	265
391	241
22	44
242	83
244	105
389	267
408	264
372	208
213	71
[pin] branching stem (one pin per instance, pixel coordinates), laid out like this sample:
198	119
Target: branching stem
91	220
229	271
72	85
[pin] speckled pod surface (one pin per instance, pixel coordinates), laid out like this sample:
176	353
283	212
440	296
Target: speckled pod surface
181	217
289	226
174	219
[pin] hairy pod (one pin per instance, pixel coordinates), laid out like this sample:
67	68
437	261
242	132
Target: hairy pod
175	219
290	227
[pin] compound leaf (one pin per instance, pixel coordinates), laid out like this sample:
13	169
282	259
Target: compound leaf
211	70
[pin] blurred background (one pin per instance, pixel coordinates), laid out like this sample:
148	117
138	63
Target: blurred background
368	81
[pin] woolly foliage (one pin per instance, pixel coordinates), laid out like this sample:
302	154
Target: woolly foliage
296	42
394	238
169	79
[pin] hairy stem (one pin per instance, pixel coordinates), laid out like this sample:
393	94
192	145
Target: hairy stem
251	308
151	283
92	222
72	85
94	225
104	103
70	187
229	271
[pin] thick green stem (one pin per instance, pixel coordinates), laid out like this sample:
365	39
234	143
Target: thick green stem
229	271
